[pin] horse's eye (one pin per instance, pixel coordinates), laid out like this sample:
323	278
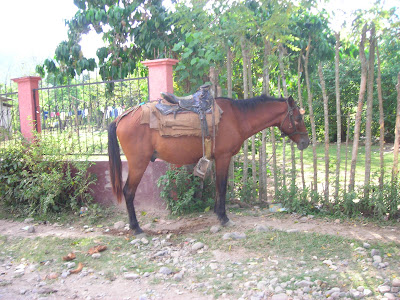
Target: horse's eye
299	118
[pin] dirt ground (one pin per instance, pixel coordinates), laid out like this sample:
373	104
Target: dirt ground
363	232
35	285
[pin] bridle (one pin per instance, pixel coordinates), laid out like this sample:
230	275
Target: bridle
289	115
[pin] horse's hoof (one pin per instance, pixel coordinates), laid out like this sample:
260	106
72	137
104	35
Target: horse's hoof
230	223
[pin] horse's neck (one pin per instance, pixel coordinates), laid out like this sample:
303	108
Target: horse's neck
264	115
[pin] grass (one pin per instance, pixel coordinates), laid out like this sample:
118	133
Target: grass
320	153
302	255
290	257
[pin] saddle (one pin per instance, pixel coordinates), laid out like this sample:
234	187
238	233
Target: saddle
201	103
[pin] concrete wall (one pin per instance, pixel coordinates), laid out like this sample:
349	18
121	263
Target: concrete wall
147	195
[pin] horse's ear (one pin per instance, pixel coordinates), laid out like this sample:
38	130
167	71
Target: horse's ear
291	100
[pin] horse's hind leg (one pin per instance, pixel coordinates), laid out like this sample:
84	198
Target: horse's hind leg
222	166
130	187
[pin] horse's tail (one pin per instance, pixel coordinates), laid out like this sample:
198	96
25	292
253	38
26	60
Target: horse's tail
115	161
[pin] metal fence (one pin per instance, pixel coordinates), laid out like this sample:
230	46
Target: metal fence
9	115
77	115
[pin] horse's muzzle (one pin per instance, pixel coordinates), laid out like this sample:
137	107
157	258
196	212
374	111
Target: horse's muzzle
303	143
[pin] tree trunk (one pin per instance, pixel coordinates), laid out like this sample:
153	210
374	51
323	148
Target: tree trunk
299	72
357	125
245	95
274	166
326	133
231	180
283	146
395	169
368	124
381	121
263	163
347	152
311	112
338	118
253	138
286	95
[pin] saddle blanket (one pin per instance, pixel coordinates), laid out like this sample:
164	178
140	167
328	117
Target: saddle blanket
182	124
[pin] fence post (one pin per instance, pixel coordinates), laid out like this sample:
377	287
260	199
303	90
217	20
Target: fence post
160	76
28	102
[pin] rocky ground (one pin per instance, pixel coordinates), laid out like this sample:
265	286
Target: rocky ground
262	257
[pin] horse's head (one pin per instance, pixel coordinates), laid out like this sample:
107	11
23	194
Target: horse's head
293	126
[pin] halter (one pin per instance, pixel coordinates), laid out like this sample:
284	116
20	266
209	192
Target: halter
290	115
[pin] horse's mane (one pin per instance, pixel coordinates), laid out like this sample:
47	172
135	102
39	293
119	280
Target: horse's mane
252	103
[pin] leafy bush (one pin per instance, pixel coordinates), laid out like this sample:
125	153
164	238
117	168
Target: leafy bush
180	190
34	182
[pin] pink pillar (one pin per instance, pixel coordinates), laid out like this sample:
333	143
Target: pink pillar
160	76
28	101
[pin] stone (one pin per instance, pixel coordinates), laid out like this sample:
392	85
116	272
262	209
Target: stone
165	270
366	245
303	219
355	294
367	292
226	236
389	296
65	274
96	255
213	266
119	225
131	276
396	282
261	228
215	229
238	235
377	259
261	285
29	229
135	242
144	241
179	276
70	265
375	252
332	291
23	291
280	297
304	283
197	246
383	289
29	220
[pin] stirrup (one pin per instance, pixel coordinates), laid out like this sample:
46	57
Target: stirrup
201	167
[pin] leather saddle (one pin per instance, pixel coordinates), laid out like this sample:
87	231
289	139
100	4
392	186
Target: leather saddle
199	103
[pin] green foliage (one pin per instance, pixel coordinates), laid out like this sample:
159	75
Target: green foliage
381	202
132	31
34	182
180	191
247	192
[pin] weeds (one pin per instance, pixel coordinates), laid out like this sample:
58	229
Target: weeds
34	182
184	193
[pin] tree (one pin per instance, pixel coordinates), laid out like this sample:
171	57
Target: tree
338	117
131	30
363	85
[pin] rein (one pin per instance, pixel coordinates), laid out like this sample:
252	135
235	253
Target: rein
289	115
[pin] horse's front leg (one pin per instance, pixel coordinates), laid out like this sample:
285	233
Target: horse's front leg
221	169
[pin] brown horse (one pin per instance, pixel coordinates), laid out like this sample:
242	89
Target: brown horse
240	120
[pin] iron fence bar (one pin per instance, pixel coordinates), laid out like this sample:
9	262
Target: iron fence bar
92	83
